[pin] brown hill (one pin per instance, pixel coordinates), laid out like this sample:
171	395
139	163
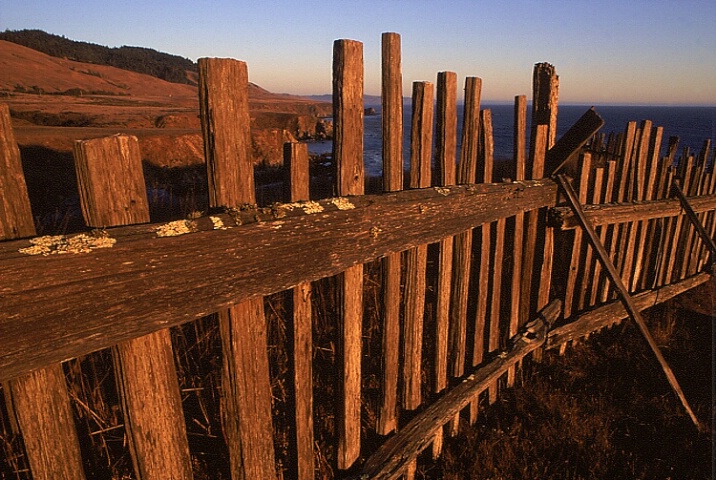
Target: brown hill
55	101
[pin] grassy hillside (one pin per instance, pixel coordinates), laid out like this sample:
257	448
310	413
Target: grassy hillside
171	68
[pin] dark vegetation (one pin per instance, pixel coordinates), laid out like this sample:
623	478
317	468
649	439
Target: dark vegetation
171	68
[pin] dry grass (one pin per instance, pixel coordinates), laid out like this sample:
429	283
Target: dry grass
603	410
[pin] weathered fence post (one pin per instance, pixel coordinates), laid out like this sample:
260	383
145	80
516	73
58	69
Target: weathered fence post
39	399
296	161
112	193
421	142
445	157
463	242
392	127
462	249
518	157
545	93
348	158
246	409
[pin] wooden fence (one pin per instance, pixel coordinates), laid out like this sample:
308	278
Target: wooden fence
476	273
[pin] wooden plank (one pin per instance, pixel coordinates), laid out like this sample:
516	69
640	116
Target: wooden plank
39	399
463	241
112	193
296	163
445	166
677	243
638	183
416	259
246	391
643	262
518	157
536	163
615	213
497	252
614	312
392	127
600	291
589	279
446	151
624	195
348	159
141	283
391	459
575	265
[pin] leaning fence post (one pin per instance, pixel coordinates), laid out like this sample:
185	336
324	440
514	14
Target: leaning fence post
112	193
40	399
348	158
246	400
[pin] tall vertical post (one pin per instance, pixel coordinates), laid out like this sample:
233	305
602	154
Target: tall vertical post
348	158
392	118
39	399
445	165
463	241
421	142
518	158
246	400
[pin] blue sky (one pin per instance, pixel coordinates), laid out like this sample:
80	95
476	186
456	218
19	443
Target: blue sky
605	51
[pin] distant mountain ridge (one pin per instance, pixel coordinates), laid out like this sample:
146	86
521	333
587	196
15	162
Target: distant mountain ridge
165	66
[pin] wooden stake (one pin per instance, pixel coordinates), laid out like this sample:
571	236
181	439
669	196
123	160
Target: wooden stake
246	400
112	193
463	241
348	158
624	293
416	258
392	118
296	162
445	155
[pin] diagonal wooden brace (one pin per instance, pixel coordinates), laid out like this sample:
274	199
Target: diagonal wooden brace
678	193
624	295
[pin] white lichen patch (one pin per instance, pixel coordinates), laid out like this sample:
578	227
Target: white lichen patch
443	191
311	207
60	244
342	203
218	223
175	228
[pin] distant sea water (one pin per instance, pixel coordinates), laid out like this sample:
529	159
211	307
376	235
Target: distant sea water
692	125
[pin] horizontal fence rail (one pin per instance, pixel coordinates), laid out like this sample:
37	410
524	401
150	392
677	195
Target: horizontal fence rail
405	311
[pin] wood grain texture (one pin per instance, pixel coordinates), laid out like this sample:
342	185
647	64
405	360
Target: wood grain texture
462	250
39	399
110	180
348	160
416	259
392	127
297	164
246	399
146	282
445	153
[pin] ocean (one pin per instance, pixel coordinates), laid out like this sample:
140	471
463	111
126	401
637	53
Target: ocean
692	125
